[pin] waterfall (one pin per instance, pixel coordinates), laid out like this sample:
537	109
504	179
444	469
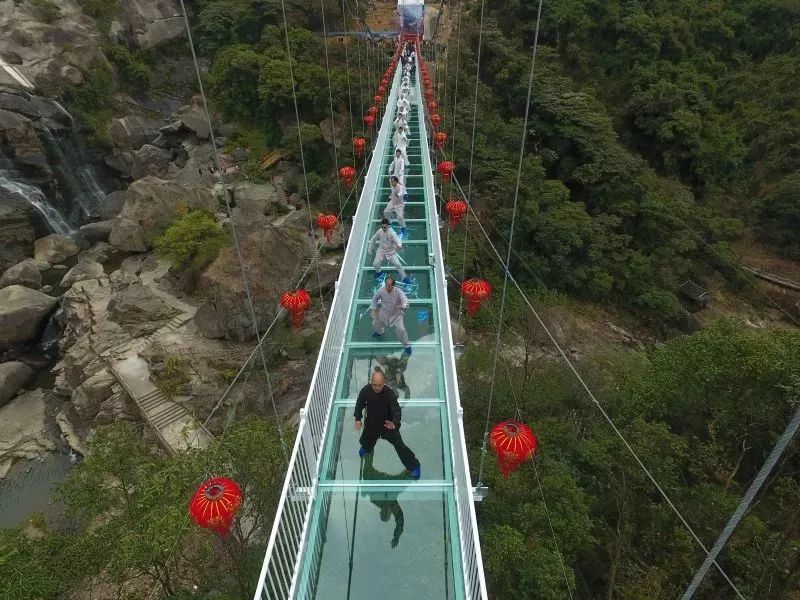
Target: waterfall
74	165
48	344
11	182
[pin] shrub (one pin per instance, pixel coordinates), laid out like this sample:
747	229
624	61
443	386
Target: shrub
94	104
172	377
133	71
193	239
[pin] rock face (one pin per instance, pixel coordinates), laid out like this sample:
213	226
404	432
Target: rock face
21	313
13	375
18	134
149	23
25	273
252	202
271	258
150	160
23	432
49	55
151	202
16	231
113	204
138	309
85	269
54	248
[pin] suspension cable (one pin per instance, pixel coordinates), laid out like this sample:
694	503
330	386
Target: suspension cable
300	142
603	412
333	120
347	71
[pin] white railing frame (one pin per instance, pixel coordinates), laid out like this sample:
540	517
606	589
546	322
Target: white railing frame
283	559
471	558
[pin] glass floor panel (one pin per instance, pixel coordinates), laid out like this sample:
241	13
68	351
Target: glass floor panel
421	430
420	324
413	254
414	209
417	230
377	543
421	288
415	377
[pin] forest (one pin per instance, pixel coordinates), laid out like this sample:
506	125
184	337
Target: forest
660	134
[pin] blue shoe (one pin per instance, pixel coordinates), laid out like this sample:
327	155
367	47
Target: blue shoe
362	452
375	334
408	351
405	197
407	280
415	472
404	232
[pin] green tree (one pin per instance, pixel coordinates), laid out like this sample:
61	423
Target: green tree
193	239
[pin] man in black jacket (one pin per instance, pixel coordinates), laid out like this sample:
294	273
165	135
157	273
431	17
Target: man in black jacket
383	421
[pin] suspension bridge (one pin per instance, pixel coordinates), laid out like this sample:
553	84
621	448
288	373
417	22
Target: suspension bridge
353	528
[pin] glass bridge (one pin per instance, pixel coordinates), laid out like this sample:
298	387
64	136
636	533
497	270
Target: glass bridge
351	528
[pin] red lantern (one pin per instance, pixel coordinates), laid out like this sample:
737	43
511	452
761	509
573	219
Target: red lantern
476	291
358	146
385	81
456	209
369	121
327	223
373	110
296	302
426	81
428	95
436	120
381	89
215	503
347	174
514	443
440	138
378	98
432	105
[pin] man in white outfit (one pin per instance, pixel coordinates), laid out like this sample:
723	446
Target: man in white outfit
386	244
398	167
403	103
401	121
388	308
400	139
395	205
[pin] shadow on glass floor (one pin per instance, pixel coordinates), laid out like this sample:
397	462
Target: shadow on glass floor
421	429
420	289
419	322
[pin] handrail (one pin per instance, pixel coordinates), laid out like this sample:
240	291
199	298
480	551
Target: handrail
471	558
279	573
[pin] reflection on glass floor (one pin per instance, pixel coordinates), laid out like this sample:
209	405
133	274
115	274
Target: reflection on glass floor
421	275
420	324
421	431
413	254
413	377
382	544
413	209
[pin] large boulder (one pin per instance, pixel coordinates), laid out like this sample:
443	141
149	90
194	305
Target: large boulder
21	313
271	258
25	273
54	248
97	231
153	202
88	396
132	132
139	310
251	202
113	204
84	270
13	375
150	160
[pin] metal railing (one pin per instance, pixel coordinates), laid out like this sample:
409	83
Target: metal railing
278	578
471	559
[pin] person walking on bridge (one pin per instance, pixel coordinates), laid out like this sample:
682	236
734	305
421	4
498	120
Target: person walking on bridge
383	421
388	309
386	245
398	167
400	139
395	206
